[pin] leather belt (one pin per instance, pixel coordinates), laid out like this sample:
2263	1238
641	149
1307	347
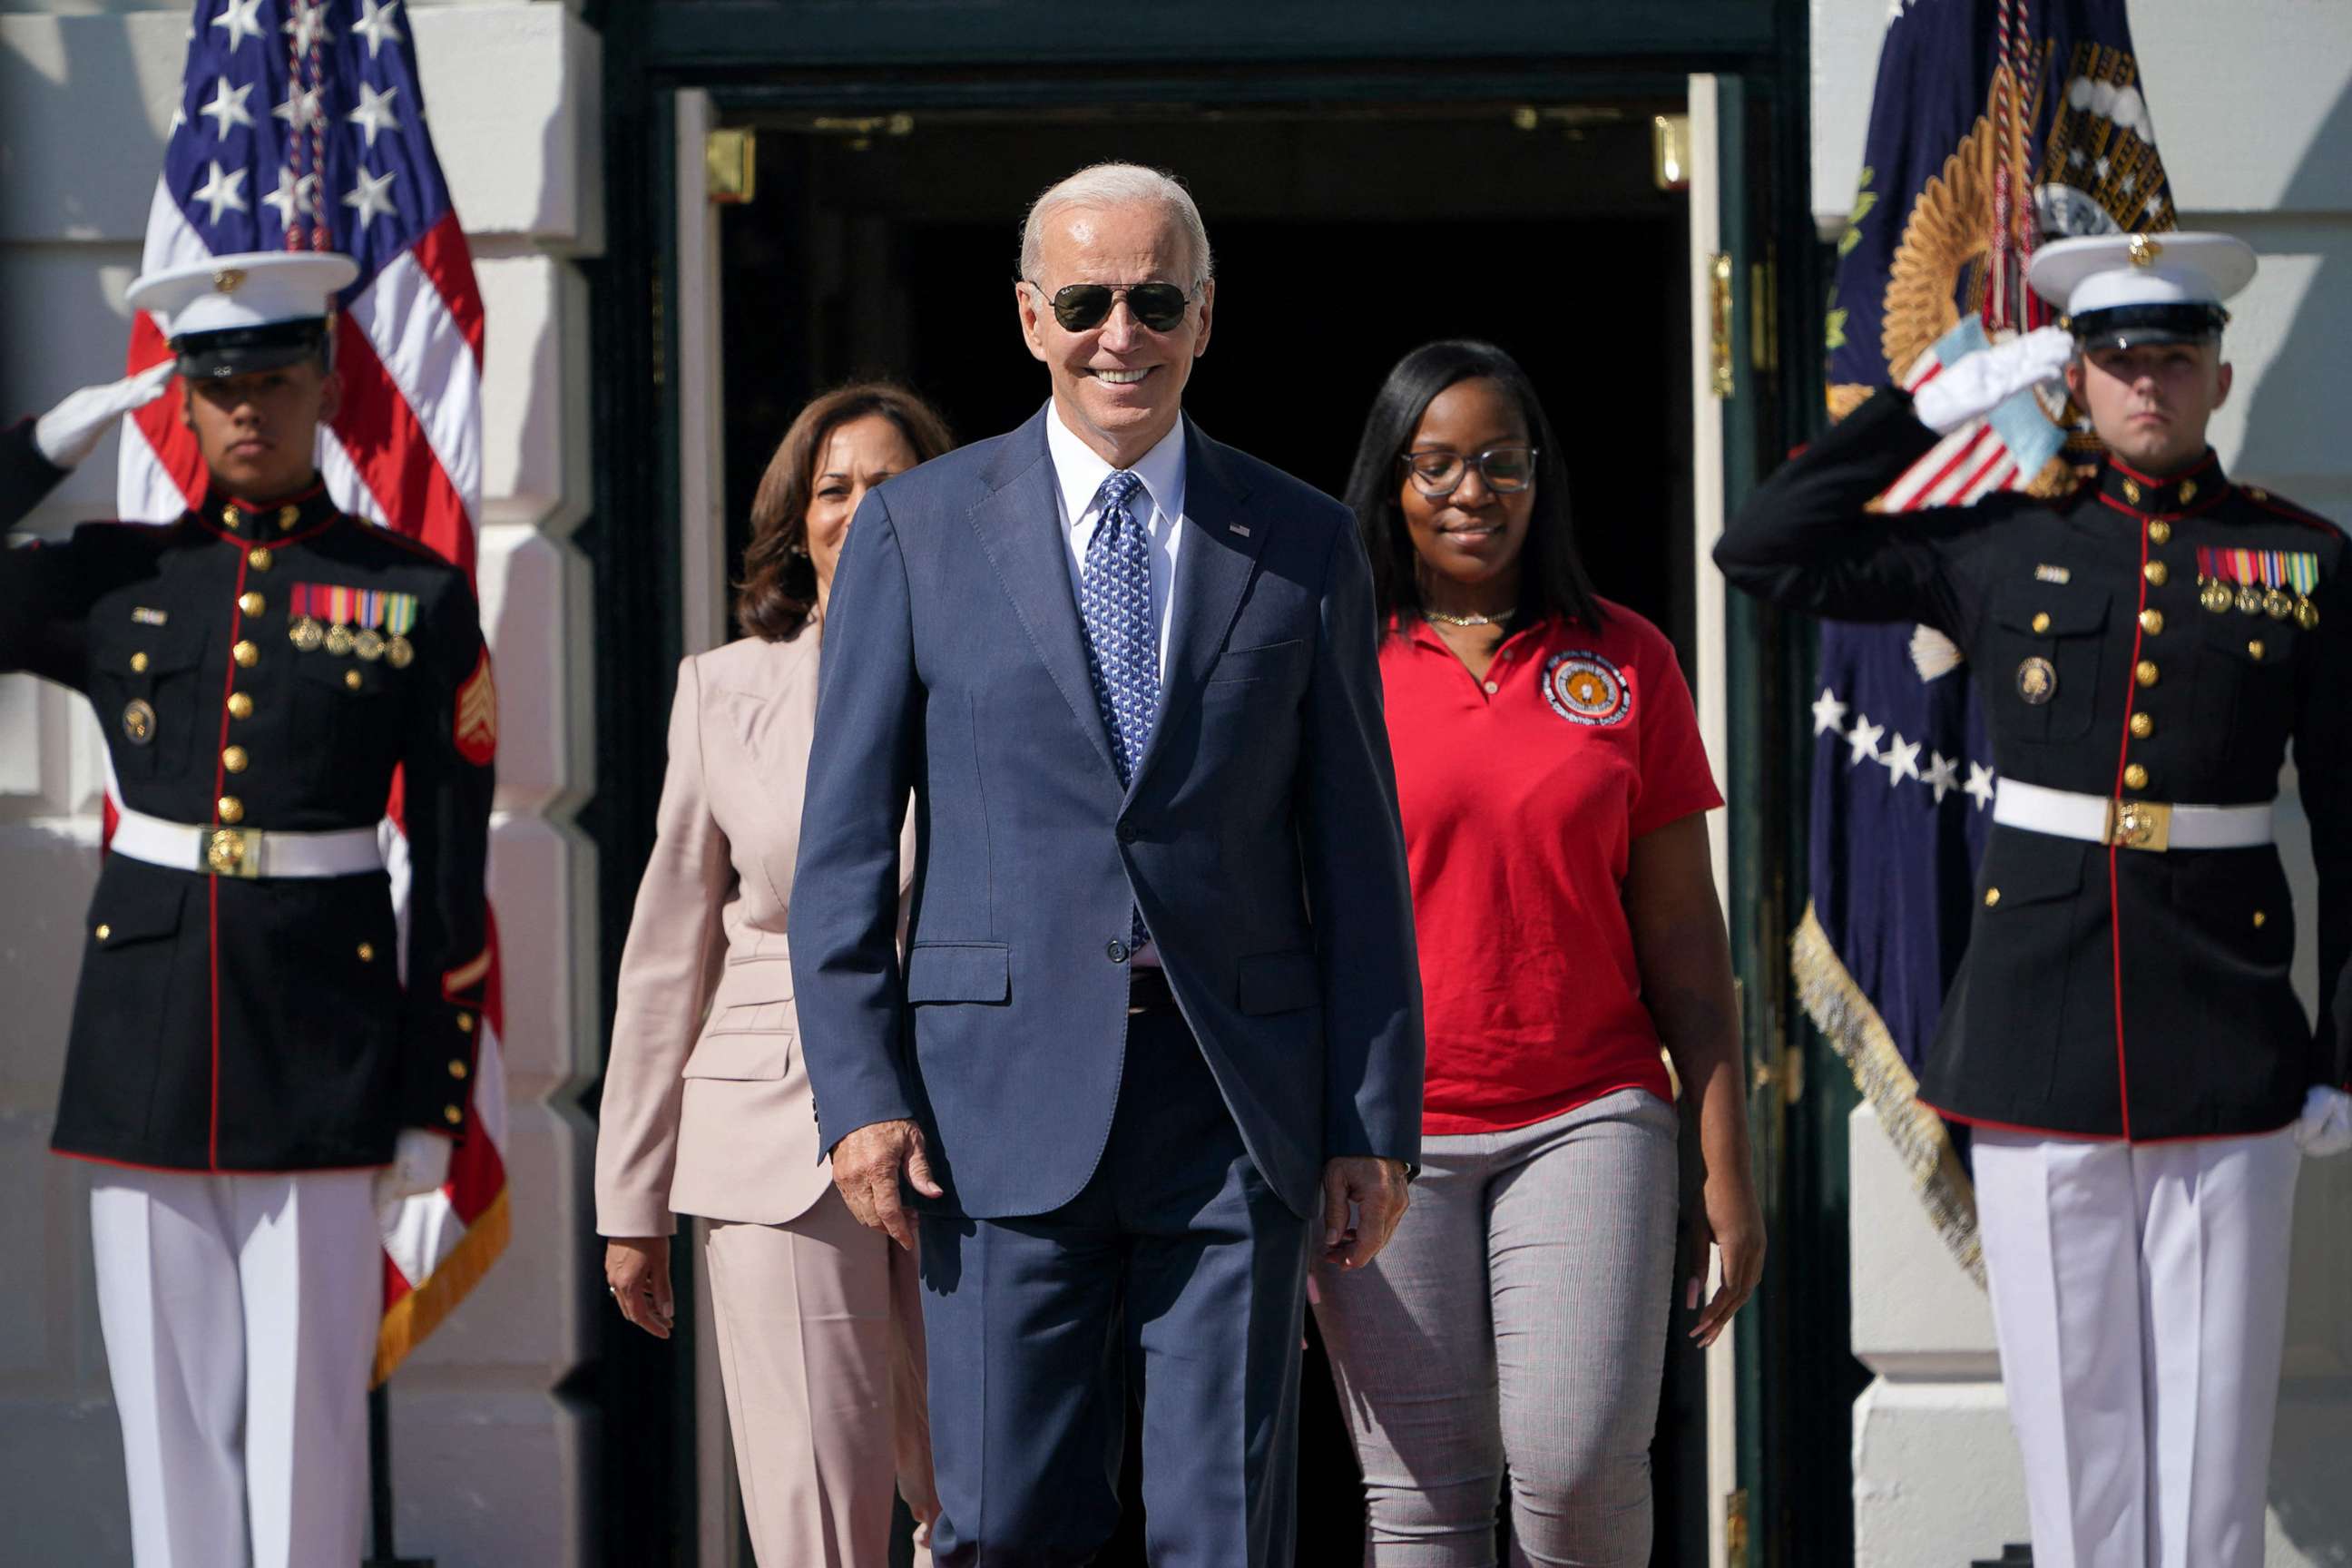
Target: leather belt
1147	990
2149	825
250	852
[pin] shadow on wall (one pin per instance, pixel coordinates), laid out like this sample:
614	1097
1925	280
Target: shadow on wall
2294	434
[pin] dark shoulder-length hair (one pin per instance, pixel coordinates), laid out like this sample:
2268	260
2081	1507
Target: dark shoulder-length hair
778	593
1551	577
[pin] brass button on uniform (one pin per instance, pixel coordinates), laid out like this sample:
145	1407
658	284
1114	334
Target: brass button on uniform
452	1115
107	930
245	653
2145	672
138	664
231	809
2131	492
2156	572
251	603
2142	726
228	516
233	759
240	705
258	558
287	516
2159	532
2187	491
1993	896
2255	648
2261	920
2134	777
352	678
465	1023
457	1069
2152	622
2041	621
367	953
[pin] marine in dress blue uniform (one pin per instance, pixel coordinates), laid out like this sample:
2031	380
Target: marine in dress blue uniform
2122	1036
258	1055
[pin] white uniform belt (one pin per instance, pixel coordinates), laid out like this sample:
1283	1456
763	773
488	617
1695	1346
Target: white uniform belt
246	851
2130	824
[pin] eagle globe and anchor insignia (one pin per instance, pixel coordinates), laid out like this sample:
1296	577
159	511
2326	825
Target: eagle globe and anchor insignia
1585	689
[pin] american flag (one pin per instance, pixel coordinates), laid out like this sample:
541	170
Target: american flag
300	126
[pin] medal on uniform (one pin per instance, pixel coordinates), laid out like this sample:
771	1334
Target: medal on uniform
2303	576
368	643
138	721
339	639
2037	681
399	618
303	629
2215	595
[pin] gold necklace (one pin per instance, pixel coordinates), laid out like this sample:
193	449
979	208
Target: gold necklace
1494	620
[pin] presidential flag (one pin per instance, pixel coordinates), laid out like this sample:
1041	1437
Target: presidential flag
300	126
1995	125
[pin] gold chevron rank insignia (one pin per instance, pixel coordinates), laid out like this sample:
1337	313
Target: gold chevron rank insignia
476	731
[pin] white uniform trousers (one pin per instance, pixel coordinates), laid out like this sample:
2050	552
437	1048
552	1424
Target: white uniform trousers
2140	1299
240	1318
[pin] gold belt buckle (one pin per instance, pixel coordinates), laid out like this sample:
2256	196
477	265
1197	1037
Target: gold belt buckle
2140	824
232	852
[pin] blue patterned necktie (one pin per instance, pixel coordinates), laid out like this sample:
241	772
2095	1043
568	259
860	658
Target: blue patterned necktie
1122	642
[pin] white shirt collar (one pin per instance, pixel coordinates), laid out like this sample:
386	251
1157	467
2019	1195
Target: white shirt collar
1079	471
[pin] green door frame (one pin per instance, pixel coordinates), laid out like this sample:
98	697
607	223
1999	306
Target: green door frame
856	58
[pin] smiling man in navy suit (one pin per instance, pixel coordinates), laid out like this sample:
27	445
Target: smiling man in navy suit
1158	1031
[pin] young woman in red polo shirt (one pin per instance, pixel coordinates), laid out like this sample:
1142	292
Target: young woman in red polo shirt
1554	793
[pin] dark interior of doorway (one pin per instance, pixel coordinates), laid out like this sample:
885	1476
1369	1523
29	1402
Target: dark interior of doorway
1346	235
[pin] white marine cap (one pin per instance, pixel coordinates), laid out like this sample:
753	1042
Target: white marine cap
248	310
2117	289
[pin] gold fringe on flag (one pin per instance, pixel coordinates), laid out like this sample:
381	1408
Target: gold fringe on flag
419	1312
1858	1035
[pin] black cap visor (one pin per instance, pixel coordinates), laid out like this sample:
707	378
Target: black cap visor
2129	326
241	351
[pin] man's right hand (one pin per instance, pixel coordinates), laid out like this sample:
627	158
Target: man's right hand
1983	381
70	432
867	1167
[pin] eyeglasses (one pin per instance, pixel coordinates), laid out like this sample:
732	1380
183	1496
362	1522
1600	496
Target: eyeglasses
1507	469
1082	306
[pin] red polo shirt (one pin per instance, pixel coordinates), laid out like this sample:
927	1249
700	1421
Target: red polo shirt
1522	795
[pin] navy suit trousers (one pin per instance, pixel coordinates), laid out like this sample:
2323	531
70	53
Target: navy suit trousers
1175	1266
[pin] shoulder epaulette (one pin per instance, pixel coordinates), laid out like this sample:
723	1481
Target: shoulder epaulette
2272	502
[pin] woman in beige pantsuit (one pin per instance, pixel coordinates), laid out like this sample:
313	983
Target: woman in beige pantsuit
707	1107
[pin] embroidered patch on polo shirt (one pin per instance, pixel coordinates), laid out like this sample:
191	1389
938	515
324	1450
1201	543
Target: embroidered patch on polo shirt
1585	689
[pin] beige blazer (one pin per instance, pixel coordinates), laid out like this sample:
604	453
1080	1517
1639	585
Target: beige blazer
707	1105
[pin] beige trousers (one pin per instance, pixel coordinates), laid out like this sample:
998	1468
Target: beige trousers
821	1348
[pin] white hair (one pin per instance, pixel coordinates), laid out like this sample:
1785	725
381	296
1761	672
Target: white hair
1100	185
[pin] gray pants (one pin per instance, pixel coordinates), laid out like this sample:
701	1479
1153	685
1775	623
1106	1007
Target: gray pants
1518	1319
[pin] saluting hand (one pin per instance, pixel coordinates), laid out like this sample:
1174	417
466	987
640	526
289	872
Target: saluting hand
867	1167
636	1270
1377	1189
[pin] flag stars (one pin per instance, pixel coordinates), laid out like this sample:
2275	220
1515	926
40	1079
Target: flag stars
1863	739
222	192
2102	168
1901	760
374	112
306	23
242	19
228	108
2154	206
1979	784
370	196
375	25
1943	776
292	197
301	109
1829	713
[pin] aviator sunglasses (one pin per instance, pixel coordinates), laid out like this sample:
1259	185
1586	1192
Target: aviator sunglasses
1082	306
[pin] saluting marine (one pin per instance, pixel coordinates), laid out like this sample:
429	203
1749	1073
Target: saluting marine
2122	1036
258	1056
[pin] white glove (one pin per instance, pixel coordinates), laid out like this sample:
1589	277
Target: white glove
1985	380
420	1162
70	432
2325	1125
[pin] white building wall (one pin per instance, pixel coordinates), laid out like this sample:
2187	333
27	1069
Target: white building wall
492	1466
2252	108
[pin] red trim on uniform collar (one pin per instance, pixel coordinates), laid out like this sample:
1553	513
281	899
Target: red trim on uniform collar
316	490
2129	472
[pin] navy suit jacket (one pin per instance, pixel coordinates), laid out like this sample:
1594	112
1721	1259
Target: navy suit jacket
1259	837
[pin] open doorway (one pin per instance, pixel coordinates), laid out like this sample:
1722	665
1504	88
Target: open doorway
1346	235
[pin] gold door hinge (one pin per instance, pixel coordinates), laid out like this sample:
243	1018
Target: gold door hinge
1719	330
1670	151
730	167
1763	321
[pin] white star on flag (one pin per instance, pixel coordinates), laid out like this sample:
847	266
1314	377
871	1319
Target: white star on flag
220	192
301	109
1863	740
375	25
306	23
1979	784
2154	208
227	107
1901	760
292	197
2127	184
370	196
239	17
2102	168
1829	713
374	112
1942	775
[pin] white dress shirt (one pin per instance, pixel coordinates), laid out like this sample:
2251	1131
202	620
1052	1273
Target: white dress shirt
1078	474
